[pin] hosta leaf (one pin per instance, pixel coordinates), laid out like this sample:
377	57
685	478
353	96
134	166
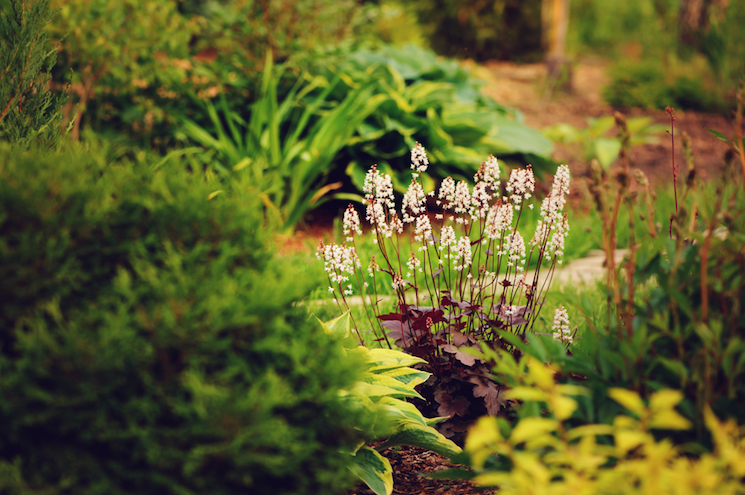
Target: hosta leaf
401	411
389	359
426	437
340	326
375	391
409	376
374	470
401	389
606	150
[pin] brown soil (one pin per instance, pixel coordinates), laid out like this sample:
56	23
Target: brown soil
409	462
525	87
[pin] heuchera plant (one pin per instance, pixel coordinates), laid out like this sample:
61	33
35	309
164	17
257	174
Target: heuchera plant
464	282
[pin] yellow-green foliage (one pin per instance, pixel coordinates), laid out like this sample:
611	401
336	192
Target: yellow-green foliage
544	455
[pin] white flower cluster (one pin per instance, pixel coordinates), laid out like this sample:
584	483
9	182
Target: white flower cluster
461	254
462	203
489	172
446	196
419	160
414	203
378	189
499	220
560	327
351	223
413	264
514	249
423	231
372	267
553	227
521	185
339	262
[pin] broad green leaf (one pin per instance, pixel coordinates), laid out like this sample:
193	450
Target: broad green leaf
390	359
374	470
426	437
375	391
519	138
341	326
607	150
409	376
390	382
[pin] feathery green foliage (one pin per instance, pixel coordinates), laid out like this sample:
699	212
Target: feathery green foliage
29	111
150	344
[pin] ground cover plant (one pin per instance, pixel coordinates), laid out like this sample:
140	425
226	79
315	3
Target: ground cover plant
456	289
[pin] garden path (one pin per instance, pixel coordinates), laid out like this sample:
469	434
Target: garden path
524	87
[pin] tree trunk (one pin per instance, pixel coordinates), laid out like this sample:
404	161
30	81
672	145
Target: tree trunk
696	17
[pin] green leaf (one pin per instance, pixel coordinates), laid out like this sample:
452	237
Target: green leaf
390	359
341	326
401	389
426	437
719	135
408	376
374	470
607	150
375	391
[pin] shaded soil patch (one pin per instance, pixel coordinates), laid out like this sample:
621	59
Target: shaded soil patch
408	462
524	87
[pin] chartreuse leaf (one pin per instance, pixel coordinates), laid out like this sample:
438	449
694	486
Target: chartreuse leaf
374	391
408	376
400	410
341	326
374	470
389	359
628	399
531	428
402	389
481	436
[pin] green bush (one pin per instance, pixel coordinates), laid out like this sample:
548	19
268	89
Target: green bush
148	341
29	112
502	29
139	82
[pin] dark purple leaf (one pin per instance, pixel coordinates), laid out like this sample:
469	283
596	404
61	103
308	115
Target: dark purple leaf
451	406
461	356
489	391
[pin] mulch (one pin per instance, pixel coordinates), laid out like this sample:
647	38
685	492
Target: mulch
410	463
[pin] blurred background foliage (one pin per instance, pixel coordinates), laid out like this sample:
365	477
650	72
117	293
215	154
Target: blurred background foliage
154	73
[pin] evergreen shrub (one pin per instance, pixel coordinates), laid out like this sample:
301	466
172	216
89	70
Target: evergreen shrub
149	344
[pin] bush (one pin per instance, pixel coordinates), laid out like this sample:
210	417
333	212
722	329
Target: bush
502	29
545	454
148	342
29	112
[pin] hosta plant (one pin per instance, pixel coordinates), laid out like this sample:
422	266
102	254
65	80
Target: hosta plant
382	391
458	275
